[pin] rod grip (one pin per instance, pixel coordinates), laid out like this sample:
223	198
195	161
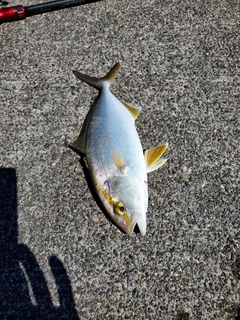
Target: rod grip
12	13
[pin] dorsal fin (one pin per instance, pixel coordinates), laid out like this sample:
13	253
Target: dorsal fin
98	82
133	110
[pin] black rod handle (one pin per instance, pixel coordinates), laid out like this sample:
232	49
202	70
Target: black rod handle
54	5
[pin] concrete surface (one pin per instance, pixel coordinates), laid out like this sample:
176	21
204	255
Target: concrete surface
61	258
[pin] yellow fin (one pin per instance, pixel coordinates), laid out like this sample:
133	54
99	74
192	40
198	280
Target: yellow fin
119	161
153	157
133	110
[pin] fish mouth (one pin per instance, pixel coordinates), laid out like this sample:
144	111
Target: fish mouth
137	225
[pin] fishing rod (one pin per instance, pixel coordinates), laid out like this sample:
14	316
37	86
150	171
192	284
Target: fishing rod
20	12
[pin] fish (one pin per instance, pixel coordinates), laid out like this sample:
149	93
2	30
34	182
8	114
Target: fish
114	156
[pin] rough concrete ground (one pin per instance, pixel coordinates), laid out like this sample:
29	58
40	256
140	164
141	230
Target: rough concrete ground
60	256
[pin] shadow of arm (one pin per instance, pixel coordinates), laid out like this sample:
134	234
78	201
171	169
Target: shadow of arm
63	284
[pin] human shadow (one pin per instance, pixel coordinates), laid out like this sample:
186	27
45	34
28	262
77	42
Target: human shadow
23	289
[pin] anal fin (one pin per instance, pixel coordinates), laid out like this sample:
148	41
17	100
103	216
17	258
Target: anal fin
79	144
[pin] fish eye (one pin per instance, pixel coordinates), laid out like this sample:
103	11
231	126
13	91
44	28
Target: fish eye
120	209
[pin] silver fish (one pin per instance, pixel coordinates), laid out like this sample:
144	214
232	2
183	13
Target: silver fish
114	155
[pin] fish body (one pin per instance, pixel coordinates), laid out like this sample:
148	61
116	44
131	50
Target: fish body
114	155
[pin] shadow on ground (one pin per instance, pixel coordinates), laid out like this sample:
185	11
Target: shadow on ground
23	289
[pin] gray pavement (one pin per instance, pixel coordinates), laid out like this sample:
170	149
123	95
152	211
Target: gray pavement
61	258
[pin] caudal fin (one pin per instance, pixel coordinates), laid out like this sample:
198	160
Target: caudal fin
98	82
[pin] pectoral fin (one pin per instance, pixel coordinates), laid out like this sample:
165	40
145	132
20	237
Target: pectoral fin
119	161
133	110
153	157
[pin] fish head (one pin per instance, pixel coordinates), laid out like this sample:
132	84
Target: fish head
128	203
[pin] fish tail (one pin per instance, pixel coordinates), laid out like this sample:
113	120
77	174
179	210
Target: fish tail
111	75
98	82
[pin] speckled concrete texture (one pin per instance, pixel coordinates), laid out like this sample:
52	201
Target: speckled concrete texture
61	258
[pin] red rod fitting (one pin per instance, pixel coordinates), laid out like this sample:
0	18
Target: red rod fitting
12	13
